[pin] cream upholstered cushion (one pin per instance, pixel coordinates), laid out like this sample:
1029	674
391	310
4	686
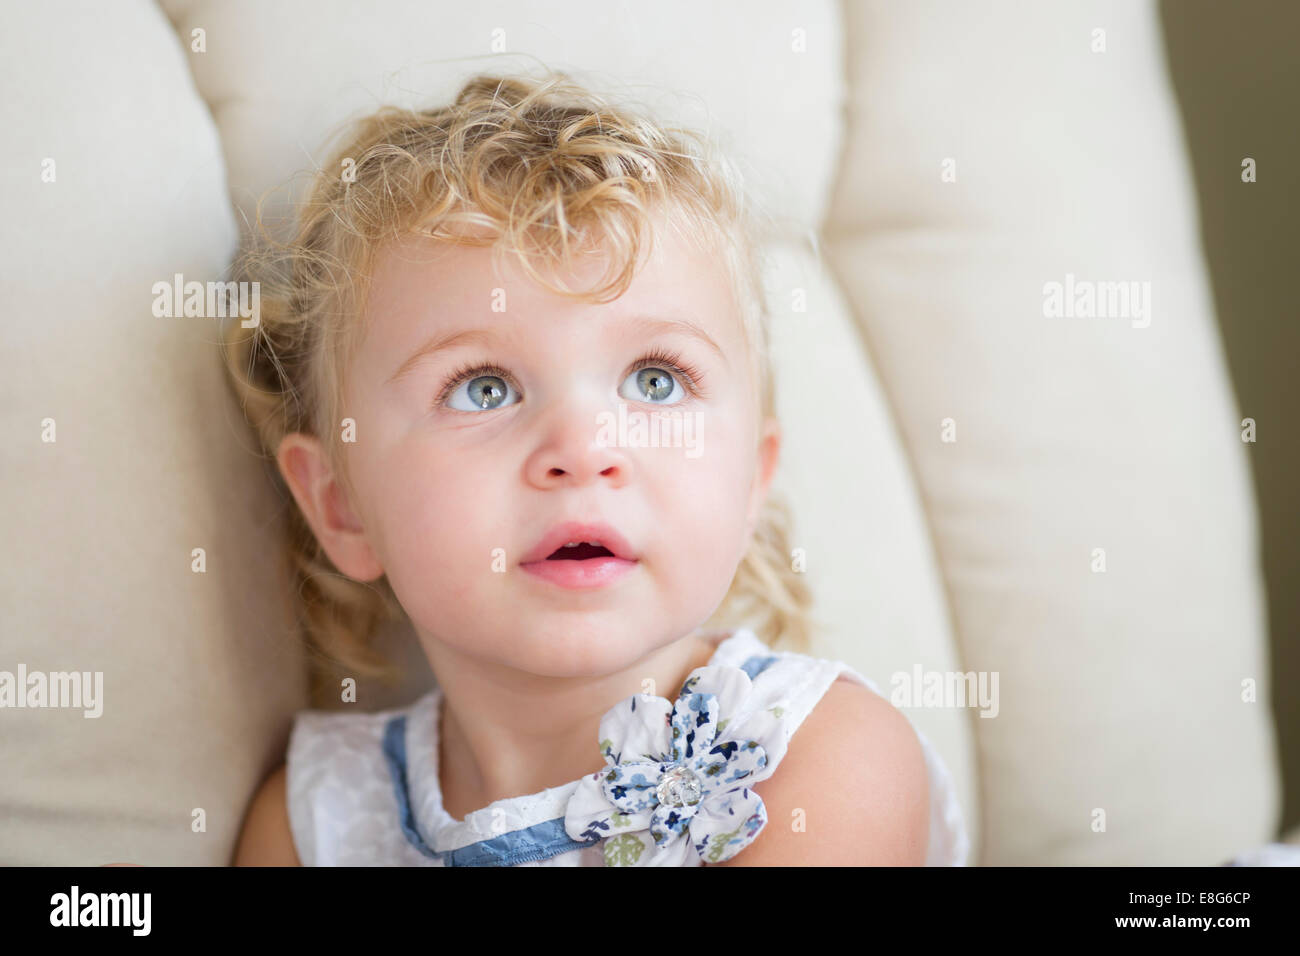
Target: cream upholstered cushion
150	461
1121	691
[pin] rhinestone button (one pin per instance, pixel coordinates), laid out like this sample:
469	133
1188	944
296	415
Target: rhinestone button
679	787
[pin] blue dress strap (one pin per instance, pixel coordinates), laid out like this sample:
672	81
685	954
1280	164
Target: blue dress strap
538	842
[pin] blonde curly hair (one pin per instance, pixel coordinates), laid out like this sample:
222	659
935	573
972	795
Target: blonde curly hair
538	168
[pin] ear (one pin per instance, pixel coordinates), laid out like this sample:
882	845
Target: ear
303	463
769	454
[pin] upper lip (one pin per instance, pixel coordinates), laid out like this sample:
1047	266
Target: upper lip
562	534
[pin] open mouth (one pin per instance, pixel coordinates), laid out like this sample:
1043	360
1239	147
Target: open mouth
574	564
580	551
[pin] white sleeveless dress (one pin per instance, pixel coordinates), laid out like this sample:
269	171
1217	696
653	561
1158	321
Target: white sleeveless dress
363	788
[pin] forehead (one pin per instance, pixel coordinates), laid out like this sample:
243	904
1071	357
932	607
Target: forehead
422	287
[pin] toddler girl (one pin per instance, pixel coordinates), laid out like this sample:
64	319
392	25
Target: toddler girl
513	369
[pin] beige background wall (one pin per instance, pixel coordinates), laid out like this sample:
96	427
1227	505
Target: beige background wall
1237	76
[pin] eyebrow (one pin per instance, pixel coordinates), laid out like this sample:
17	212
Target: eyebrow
644	324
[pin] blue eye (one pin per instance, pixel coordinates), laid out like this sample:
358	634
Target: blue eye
479	389
655	379
655	385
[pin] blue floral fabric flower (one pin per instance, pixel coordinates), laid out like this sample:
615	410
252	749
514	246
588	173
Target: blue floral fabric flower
678	775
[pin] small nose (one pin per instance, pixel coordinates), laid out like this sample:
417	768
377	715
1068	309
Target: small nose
572	454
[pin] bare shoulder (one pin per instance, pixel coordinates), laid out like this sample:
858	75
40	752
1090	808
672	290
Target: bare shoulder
266	839
852	789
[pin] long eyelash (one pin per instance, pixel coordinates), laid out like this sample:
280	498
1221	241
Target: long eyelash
657	358
672	361
471	370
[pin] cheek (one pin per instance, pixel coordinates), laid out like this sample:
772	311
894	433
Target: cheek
700	549
702	508
437	532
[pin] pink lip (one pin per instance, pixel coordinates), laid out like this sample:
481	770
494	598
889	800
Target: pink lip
581	575
568	531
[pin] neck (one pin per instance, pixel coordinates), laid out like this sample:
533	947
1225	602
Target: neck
502	740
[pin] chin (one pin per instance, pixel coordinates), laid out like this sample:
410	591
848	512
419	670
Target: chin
587	650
